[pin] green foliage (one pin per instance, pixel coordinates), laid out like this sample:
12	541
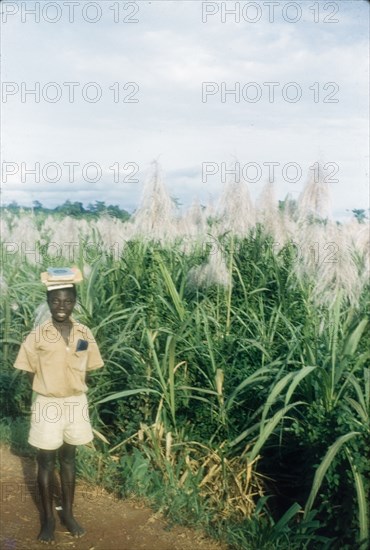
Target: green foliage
74	209
217	395
359	214
14	433
262	532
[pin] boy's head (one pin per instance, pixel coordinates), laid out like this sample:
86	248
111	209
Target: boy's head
61	303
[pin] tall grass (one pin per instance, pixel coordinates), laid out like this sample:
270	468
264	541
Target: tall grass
236	362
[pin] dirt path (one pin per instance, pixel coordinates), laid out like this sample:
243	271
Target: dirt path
111	524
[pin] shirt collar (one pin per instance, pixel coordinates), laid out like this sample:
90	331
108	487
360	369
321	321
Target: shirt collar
76	326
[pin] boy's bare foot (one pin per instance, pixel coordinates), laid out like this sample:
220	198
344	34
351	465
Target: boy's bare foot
73	527
46	534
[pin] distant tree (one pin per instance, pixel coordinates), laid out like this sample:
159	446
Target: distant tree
75	209
37	205
64	207
78	208
360	214
116	212
176	201
288	205
100	207
13	206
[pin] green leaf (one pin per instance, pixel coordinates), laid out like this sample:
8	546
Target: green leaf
351	344
362	413
126	393
176	300
297	379
267	429
244	434
278	388
363	506
259	376
285	519
322	469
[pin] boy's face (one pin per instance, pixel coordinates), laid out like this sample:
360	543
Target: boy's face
61	303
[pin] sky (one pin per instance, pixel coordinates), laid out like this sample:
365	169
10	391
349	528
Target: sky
94	92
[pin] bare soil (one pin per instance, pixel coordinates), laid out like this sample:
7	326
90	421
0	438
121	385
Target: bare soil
111	524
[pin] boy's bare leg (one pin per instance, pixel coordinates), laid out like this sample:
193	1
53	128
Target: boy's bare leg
67	455
45	478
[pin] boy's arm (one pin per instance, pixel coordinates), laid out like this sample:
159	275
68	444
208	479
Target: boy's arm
95	360
26	360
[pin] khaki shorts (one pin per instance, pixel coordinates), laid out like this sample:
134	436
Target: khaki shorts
55	420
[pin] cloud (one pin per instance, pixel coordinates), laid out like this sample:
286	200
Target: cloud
170	54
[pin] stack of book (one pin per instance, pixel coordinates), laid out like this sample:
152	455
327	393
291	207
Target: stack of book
56	278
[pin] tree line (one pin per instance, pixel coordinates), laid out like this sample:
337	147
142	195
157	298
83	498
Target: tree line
74	209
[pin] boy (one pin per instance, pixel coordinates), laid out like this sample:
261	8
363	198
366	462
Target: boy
57	355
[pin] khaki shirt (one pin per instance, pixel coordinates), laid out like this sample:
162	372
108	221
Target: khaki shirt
59	369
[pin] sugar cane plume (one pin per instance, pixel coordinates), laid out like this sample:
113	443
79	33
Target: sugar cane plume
25	237
235	211
338	272
269	216
314	201
333	257
358	240
67	230
194	221
212	272
3	286
65	238
193	228
155	217
113	234
5	224
327	256
328	260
